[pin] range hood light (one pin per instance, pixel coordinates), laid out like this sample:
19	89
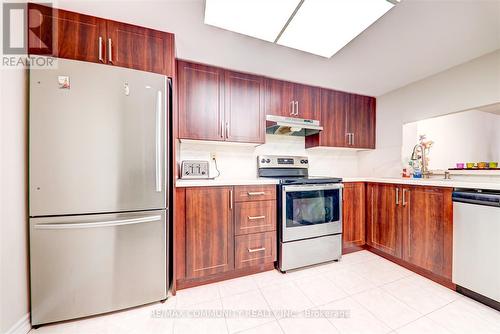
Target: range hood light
295	129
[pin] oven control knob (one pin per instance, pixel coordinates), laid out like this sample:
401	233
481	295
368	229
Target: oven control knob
306	161
263	160
268	160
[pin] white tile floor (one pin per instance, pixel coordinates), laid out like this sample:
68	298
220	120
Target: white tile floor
376	296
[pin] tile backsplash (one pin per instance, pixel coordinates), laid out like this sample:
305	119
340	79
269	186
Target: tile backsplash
240	162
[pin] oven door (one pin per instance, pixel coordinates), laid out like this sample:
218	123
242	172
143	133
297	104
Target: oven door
310	211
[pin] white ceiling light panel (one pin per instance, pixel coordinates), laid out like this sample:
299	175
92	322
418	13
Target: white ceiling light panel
323	27
262	19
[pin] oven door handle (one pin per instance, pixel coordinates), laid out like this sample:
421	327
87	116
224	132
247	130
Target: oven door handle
298	188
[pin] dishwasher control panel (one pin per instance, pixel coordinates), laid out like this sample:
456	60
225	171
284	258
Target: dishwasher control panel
194	169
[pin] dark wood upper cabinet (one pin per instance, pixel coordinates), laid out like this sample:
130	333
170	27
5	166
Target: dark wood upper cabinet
291	100
383	217
209	231
139	48
279	98
428	228
244	108
348	120
307	101
221	105
333	118
361	121
353	215
65	34
200	101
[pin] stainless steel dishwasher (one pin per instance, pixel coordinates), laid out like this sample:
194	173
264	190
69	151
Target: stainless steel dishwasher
476	245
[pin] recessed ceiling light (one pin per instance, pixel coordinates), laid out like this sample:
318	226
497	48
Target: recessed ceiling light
262	19
323	27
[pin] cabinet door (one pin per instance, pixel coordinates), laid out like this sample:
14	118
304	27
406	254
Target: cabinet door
200	101
139	48
427	228
63	34
279	96
383	228
307	101
209	231
361	121
353	215
244	108
333	118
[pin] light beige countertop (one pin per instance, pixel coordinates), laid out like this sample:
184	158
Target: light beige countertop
435	182
224	182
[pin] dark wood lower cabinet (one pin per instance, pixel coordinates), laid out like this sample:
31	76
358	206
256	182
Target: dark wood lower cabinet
383	218
218	235
413	226
428	228
353	216
209	231
255	249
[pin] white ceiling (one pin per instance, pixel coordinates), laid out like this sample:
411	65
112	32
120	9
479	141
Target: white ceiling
416	39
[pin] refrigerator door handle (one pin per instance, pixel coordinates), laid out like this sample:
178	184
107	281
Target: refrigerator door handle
59	226
158	142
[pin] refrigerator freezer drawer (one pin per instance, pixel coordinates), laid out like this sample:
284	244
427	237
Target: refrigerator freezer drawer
86	265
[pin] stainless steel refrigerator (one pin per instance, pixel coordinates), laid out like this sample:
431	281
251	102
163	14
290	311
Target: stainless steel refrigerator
98	188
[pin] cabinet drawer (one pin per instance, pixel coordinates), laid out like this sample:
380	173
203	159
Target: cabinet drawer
254	193
255	216
255	249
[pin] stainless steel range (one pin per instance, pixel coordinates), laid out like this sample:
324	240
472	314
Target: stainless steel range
309	212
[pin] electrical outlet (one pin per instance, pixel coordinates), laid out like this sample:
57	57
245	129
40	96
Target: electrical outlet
213	156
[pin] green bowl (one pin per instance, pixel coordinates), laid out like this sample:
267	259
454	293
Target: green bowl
493	164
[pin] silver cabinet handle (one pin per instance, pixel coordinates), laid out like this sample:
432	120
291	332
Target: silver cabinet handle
56	226
222	128
256	217
404	196
352	135
231	199
348	135
110	51
253	250
227	130
158	142
297	108
397	196
292	108
256	193
101	59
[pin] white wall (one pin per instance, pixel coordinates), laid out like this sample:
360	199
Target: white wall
14	303
240	162
467	86
468	136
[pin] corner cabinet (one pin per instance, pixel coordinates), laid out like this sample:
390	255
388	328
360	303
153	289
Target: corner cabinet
220	105
65	34
348	120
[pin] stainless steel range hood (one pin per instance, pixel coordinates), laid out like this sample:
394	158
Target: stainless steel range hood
289	126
